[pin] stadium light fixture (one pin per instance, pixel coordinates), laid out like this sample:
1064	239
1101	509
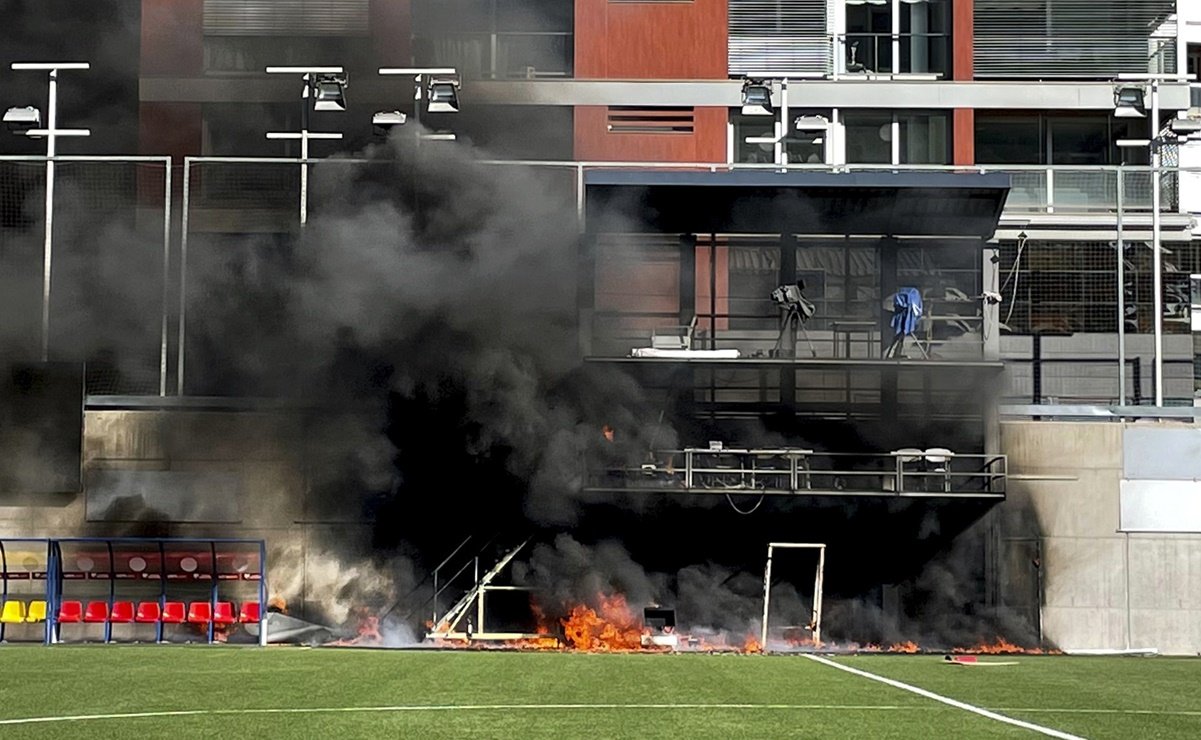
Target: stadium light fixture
1129	102
756	99
439	86
27	121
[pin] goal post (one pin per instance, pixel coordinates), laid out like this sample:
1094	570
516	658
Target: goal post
816	620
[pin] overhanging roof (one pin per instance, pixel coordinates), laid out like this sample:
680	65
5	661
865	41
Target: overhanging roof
943	204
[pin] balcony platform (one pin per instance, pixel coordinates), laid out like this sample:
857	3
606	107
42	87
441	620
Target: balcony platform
816	363
906	473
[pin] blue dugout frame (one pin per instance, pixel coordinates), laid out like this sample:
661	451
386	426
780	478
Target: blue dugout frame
54	575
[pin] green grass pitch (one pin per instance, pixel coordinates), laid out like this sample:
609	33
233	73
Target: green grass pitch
351	693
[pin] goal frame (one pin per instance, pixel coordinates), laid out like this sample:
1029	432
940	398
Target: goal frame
816	621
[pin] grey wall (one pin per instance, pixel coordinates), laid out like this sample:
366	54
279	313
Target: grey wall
1102	588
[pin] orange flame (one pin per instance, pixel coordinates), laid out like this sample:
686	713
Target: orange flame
752	645
904	647
614	627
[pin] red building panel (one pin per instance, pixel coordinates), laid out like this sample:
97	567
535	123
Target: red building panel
635	40
595	142
392	32
172	38
962	33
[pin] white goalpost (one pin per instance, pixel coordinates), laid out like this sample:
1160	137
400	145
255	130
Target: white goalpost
816	621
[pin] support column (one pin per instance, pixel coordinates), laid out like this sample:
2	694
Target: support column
886	251
991	344
586	290
687	278
788	246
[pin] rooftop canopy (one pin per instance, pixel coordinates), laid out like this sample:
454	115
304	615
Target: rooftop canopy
885	204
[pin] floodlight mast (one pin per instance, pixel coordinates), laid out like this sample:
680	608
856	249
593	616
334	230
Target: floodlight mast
421	75
1156	143
304	135
51	134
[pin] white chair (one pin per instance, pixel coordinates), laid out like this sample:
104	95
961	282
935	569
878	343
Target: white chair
908	459
938	460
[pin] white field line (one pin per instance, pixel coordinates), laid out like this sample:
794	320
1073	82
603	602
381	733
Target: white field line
450	708
946	700
519	707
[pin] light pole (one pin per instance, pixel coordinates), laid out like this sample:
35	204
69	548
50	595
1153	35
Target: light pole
323	87
1127	106
51	134
439	84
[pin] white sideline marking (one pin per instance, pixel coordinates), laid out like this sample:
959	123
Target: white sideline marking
448	708
946	700
511	707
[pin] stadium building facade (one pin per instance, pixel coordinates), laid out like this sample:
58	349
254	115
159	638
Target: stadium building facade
964	149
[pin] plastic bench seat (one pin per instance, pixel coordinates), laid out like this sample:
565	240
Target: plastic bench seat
148	612
122	612
13	612
70	612
200	612
96	611
223	613
251	613
173	612
36	611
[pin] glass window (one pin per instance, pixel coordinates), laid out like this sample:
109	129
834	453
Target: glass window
868	137
869	38
1009	140
924	36
753	126
1082	141
924	139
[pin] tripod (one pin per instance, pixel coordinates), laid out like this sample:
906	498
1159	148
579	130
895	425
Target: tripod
793	321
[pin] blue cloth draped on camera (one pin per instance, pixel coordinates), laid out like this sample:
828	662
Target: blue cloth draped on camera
906	311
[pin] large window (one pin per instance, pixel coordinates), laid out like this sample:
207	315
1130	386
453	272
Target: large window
496	39
919	45
877	137
1035	138
802	147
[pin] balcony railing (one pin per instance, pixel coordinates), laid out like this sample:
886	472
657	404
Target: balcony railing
793	471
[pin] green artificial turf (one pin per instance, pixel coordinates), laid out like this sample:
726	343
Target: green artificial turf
810	699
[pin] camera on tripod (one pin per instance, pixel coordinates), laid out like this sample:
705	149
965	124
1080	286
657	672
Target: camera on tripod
799	309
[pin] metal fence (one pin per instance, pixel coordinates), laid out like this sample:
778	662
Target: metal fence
96	290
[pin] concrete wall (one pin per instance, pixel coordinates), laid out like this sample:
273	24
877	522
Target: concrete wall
262	454
1101	588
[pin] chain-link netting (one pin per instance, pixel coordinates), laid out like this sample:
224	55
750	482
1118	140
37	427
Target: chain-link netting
106	287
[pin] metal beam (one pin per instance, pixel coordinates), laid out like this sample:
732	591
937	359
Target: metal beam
719	93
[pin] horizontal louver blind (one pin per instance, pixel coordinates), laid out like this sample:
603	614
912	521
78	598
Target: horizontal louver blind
1072	38
286	17
669	120
778	36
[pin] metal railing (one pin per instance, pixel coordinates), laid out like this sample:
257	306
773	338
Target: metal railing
794	471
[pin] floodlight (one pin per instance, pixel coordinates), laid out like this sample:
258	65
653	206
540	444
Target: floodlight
756	99
1185	126
443	96
329	92
1129	102
388	120
20	120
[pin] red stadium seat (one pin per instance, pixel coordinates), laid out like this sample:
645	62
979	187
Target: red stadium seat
97	611
122	612
200	612
173	612
251	613
148	611
223	613
70	612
